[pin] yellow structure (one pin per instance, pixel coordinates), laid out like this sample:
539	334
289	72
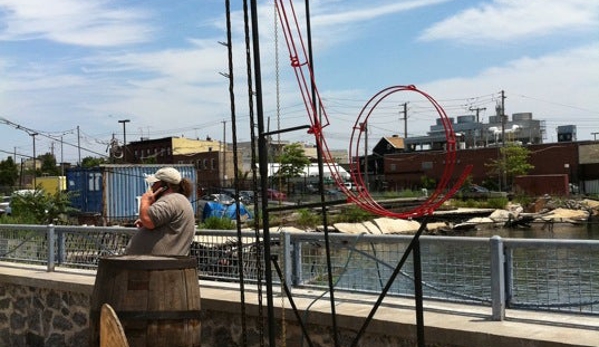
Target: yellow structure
52	184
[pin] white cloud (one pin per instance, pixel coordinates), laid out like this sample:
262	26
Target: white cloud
508	20
560	88
85	23
371	11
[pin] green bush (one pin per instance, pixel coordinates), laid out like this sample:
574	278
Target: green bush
352	214
308	219
216	223
39	207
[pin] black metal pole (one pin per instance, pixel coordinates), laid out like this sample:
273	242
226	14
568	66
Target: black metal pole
263	160
418	293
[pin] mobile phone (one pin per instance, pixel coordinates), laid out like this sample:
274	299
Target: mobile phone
160	190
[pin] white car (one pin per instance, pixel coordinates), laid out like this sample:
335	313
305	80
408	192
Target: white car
5	205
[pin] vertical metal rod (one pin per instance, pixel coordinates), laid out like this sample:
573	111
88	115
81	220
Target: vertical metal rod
418	294
263	166
319	145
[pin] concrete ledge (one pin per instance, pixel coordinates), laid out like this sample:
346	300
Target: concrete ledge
450	325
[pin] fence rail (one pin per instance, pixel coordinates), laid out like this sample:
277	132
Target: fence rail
544	275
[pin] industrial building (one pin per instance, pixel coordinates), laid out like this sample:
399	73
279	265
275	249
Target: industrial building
471	133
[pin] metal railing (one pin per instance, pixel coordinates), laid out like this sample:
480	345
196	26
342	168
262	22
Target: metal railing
548	275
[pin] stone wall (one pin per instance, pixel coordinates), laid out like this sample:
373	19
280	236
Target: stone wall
35	317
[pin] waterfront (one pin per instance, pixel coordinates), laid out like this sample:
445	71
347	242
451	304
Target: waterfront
584	231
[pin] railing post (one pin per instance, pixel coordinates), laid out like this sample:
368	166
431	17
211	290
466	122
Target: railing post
497	279
61	249
287	261
50	241
509	274
296	253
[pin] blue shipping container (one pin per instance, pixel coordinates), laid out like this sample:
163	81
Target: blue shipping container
113	191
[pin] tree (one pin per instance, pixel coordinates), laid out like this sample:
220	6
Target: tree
9	172
38	207
293	160
49	166
512	161
92	162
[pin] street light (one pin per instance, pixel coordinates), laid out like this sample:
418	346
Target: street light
124	122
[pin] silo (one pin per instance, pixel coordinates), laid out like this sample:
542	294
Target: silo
494	119
524	116
466	119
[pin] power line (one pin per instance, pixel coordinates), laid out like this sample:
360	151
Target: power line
31	132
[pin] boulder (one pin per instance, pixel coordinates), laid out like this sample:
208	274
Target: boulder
396	226
500	216
351	228
565	215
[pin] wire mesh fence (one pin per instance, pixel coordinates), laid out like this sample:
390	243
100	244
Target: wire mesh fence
548	275
553	275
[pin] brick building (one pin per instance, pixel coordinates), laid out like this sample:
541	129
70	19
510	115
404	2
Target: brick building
578	160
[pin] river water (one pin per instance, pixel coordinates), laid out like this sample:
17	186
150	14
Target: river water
583	231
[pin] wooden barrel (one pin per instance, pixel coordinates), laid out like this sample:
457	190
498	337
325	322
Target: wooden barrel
157	299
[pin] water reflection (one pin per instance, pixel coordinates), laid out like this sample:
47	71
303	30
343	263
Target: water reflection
585	231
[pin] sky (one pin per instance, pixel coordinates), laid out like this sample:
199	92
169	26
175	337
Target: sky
71	70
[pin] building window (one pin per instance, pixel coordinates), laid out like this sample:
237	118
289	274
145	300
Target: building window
393	167
205	164
213	164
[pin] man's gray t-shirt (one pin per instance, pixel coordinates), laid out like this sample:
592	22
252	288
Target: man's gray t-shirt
174	221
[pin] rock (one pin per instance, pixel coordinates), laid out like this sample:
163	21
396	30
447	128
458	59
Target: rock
351	228
472	223
565	215
397	226
437	226
464	226
500	216
515	210
592	205
372	228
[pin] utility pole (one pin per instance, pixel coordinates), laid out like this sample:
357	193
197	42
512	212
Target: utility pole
224	153
34	160
478	109
594	136
405	120
365	129
61	156
503	116
78	146
503	120
124	122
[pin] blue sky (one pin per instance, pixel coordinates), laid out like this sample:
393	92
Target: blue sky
88	64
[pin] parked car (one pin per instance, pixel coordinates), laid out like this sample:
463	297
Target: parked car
246	196
221	198
474	191
274	194
5	205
